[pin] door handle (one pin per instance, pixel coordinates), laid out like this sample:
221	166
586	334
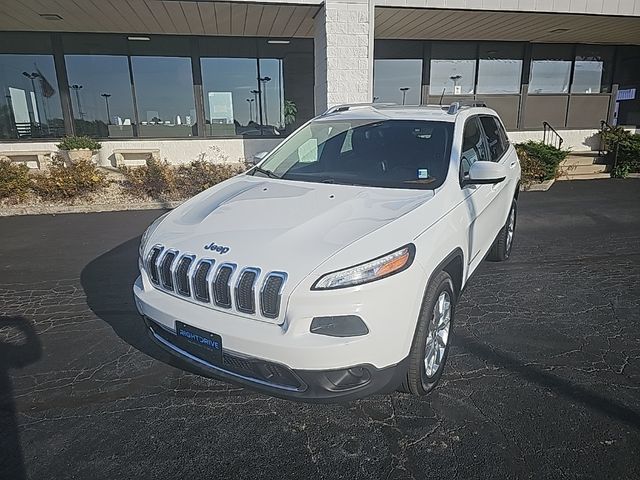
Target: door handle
513	164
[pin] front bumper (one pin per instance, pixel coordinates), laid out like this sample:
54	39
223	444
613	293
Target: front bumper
288	359
279	380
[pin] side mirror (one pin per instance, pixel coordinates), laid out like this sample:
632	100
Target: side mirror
485	173
257	158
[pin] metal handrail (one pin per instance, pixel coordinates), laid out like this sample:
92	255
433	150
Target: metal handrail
555	140
604	126
604	149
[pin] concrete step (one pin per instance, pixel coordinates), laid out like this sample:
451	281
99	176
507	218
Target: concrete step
592	176
589	169
574	160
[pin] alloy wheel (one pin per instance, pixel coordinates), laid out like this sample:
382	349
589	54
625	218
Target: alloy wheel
438	336
511	228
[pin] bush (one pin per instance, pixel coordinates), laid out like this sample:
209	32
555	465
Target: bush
156	179
623	151
64	182
197	176
541	155
533	169
15	182
75	143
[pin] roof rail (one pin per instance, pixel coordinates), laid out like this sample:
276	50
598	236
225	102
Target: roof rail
455	106
349	106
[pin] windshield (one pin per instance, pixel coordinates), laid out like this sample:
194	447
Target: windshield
389	153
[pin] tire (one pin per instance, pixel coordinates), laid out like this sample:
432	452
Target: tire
501	248
423	375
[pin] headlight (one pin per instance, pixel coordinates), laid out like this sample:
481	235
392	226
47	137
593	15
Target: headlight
378	268
148	232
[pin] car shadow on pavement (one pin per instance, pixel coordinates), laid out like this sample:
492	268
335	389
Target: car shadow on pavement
108	285
19	347
563	387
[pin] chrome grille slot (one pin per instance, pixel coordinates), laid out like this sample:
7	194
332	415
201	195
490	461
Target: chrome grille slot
183	286
152	264
200	285
166	276
245	291
271	294
222	287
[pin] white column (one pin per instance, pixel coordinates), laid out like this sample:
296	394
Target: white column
343	48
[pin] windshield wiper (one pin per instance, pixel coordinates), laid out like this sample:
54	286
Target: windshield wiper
264	171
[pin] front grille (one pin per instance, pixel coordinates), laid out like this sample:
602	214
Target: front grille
182	278
245	292
152	265
204	281
222	287
271	294
200	286
166	278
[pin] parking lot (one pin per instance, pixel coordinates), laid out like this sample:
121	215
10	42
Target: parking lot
543	380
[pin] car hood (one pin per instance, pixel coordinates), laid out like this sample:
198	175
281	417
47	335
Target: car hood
282	225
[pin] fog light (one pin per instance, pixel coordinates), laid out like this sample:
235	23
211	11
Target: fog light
349	378
339	326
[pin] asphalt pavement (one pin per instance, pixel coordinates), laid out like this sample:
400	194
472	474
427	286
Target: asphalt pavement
543	379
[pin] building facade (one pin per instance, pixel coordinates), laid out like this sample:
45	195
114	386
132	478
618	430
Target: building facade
217	80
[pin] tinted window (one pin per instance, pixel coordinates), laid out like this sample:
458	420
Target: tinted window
500	68
164	92
495	141
397	81
453	68
593	69
101	99
390	153
473	146
550	69
30	100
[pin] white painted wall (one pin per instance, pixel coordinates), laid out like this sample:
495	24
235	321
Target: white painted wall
343	51
175	151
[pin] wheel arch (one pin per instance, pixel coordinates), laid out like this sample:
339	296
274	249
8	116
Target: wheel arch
453	264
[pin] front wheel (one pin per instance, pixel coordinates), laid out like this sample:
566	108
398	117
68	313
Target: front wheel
501	248
431	341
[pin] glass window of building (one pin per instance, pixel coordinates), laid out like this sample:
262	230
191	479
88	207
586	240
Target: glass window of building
30	102
453	68
397	80
239	99
272	92
100	90
550	69
231	96
164	96
500	68
592	70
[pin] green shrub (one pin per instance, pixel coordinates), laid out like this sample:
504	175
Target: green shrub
15	182
156	179
623	151
533	169
545	155
77	142
197	176
64	182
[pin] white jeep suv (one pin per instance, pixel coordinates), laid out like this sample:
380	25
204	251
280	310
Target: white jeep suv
331	270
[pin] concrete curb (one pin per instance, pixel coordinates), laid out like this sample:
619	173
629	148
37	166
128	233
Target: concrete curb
539	187
86	208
